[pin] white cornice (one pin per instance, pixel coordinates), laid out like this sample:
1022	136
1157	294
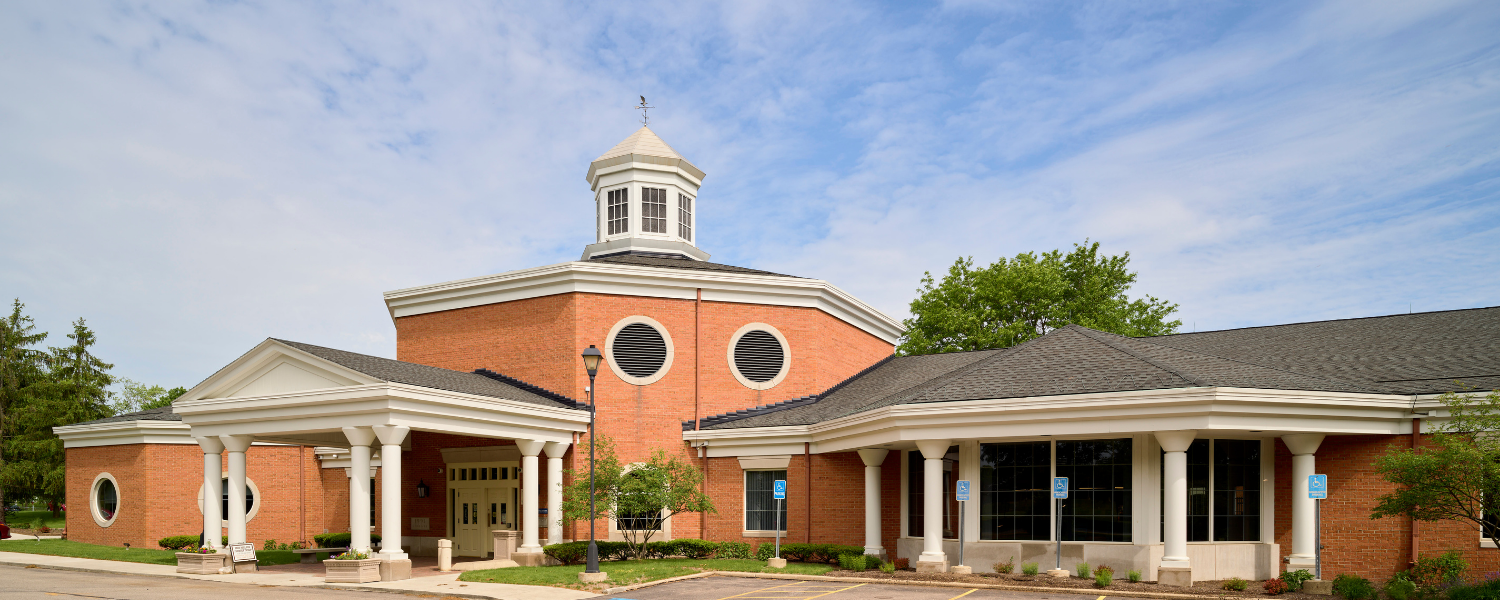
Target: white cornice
1228	410
124	432
653	282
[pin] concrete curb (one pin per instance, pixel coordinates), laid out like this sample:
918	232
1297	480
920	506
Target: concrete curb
951	584
31	565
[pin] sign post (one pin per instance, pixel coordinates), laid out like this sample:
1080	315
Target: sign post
779	493
1317	489
1059	493
963	499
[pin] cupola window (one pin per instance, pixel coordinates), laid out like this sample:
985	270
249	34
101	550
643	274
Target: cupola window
685	217
653	210
619	211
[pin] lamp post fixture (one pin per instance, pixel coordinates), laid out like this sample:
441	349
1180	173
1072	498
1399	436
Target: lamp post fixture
591	358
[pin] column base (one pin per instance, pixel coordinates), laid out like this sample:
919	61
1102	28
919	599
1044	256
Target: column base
395	570
1317	587
584	577
932	566
875	551
1175	576
1059	573
776	563
1295	562
391	555
529	559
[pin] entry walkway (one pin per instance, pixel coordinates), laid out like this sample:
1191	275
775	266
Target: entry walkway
442	583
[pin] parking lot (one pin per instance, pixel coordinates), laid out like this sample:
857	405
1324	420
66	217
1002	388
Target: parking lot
746	588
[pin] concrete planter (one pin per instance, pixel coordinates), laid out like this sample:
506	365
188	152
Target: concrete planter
200	564
351	571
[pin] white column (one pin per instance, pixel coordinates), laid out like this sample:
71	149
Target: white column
1174	497
236	445
873	458
360	439
1304	523
529	496
213	466
932	504
555	452
391	437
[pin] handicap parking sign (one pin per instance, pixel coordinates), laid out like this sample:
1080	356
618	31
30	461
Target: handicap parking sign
963	491
1317	487
1060	488
779	490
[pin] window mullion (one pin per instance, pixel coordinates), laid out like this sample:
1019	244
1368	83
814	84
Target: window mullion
1212	450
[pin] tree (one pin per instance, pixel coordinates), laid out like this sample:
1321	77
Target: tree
1457	478
1012	301
640	496
73	390
135	396
20	368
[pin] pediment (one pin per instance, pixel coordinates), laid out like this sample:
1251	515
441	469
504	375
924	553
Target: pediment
273	368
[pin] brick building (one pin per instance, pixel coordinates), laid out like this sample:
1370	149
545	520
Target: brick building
1187	455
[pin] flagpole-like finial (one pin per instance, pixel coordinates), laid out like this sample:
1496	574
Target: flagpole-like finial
645	119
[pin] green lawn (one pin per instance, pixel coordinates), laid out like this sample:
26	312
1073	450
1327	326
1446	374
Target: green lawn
633	571
140	555
25	518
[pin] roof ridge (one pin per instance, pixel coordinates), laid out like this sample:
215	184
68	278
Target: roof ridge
1086	332
1246	362
1432	312
535	389
726	417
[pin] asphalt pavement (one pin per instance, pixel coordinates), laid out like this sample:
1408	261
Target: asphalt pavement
17	583
746	588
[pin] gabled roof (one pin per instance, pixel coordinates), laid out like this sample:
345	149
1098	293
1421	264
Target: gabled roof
643	142
1402	354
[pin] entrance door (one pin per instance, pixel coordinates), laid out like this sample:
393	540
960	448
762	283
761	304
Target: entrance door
471	523
502	511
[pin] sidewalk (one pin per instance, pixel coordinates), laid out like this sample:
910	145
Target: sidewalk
447	584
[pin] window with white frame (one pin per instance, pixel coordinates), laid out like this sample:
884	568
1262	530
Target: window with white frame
618	209
1098	508
1015	491
685	217
761	512
1223	481
653	210
645	520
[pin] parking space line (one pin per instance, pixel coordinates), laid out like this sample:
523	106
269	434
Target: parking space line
964	594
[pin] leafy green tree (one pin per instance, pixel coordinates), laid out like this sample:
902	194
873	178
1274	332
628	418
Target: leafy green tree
1456	478
641	495
21	366
135	396
73	390
1015	300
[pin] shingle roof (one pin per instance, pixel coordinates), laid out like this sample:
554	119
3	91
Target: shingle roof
156	414
680	263
1402	354
643	141
480	383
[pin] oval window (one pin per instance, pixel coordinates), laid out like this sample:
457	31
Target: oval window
107	499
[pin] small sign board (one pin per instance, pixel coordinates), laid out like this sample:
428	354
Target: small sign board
1317	487
242	552
779	490
963	490
1060	488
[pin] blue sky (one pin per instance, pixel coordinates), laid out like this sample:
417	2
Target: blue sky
195	177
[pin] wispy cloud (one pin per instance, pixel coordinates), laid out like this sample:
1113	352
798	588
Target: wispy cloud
193	178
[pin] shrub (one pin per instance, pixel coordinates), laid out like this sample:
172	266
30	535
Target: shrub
817	553
339	540
269	545
178	542
694	548
733	550
1294	579
852	562
612	550
1434	571
1400	589
351	555
1487	590
889	567
903	563
873	562
1106	569
658	549
1007	567
1030	569
1083	570
765	552
1274	587
571	553
294	546
1102	578
1235	584
1133	575
1353	587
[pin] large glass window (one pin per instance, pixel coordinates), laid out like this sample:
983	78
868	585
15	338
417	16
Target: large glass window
1014	493
653	210
1098	508
760	506
915	468
619	210
1237	490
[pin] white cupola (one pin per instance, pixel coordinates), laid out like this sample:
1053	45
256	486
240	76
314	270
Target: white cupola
645	200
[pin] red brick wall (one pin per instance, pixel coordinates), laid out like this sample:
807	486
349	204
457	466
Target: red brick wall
1353	542
159	485
837	494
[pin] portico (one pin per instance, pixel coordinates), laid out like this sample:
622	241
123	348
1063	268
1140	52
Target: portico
289	393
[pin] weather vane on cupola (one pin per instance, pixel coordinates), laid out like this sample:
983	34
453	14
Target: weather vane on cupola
645	120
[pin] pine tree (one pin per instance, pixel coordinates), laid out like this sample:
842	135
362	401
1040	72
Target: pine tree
20	368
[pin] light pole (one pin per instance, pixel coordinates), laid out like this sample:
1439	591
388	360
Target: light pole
591	358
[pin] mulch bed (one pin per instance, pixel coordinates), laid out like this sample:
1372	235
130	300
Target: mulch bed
1208	588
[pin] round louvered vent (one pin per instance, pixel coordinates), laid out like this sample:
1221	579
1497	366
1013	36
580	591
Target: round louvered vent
758	356
639	350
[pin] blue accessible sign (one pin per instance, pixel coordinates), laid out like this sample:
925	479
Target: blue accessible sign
1317	487
963	491
1060	488
779	490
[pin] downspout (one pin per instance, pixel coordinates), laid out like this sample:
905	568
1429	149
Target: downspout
807	459
301	493
697	403
1416	442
